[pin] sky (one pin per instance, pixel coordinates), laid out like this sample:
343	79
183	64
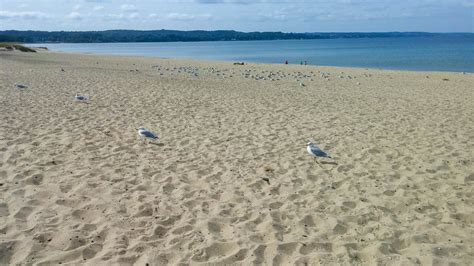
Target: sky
241	15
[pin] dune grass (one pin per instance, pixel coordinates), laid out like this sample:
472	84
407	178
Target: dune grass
14	46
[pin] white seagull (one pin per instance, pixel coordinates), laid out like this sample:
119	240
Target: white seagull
316	151
80	98
145	134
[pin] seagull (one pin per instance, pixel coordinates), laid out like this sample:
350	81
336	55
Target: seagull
80	98
143	133
20	86
316	151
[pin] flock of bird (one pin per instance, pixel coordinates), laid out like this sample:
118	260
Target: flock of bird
263	75
145	134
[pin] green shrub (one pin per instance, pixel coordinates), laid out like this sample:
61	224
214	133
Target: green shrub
14	46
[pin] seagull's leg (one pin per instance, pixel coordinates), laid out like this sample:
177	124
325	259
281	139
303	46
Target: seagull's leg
316	160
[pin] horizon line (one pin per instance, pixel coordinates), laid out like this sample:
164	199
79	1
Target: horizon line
287	32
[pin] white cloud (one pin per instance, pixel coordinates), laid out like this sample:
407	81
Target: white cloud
115	16
133	15
122	16
22	15
275	15
76	7
184	16
75	15
179	16
128	8
97	8
229	1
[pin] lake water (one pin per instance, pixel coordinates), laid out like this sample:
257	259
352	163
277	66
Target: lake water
439	53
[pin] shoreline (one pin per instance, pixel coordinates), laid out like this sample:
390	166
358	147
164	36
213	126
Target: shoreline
230	180
347	68
336	63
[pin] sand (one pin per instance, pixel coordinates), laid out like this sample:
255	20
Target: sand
230	181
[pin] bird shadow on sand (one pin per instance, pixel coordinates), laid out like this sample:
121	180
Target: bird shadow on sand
158	144
331	163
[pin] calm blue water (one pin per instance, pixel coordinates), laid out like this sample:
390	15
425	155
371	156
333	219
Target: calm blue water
440	53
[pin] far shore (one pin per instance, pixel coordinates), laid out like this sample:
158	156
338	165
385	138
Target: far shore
442	53
46	49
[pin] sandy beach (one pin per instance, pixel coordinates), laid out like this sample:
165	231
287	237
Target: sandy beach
230	181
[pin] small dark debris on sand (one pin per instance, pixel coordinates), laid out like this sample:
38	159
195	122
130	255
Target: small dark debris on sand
20	86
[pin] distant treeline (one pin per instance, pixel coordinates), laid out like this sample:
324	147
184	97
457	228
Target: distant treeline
181	36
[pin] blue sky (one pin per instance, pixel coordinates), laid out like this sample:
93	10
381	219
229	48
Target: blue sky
242	15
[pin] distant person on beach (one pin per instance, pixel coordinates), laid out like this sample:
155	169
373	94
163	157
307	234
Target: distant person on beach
286	62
